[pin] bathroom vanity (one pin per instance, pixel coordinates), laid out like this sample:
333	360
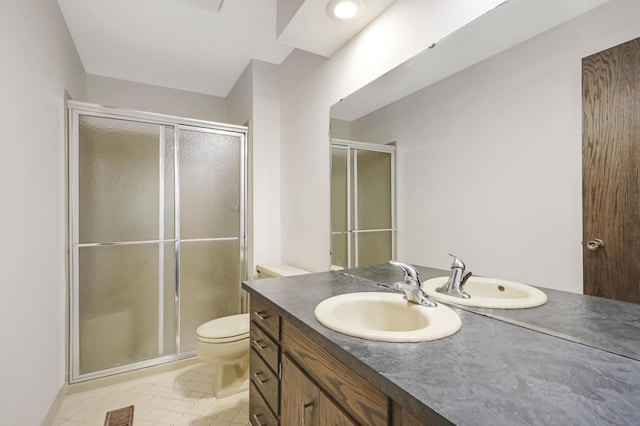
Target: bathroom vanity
490	372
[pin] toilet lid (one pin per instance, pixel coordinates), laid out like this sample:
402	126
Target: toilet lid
233	327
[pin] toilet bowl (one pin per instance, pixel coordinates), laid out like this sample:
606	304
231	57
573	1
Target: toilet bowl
224	342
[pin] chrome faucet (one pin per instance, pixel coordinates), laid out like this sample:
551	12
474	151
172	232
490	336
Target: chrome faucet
457	279
411	286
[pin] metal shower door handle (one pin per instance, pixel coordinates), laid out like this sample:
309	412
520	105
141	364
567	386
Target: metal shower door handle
595	244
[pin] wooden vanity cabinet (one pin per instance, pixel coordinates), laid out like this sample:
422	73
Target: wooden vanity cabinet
295	381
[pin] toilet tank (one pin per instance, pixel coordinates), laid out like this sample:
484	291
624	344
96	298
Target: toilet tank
273	270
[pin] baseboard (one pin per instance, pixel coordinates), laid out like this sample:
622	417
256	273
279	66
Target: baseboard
55	405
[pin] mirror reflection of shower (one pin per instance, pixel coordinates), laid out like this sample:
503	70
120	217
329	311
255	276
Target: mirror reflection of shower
157	220
363	222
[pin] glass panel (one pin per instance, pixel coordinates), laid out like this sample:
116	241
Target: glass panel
209	285
169	188
118	304
338	189
119	190
167	300
209	185
374	189
351	205
374	247
339	251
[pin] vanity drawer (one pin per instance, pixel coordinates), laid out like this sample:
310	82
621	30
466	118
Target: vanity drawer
265	380
268	320
264	346
355	395
259	412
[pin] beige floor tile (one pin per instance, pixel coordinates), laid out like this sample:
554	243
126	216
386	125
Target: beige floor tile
140	422
202	421
150	413
171	418
180	398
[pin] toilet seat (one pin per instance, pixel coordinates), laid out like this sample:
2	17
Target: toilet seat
224	330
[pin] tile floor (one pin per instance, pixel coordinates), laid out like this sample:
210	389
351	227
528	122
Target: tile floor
179	397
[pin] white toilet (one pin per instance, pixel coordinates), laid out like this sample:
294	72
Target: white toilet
224	342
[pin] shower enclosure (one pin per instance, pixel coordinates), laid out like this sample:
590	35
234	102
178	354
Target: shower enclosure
157	235
363	230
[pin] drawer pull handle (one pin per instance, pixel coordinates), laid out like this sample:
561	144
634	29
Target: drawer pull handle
258	422
258	344
260	315
305	405
259	379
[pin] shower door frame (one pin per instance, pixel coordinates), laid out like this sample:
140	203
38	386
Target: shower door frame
76	109
350	146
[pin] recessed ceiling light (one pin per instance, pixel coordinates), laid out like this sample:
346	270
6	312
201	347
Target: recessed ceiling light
345	9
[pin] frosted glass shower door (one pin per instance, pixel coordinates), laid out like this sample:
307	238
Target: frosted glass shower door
157	235
373	207
210	180
362	203
125	243
340	214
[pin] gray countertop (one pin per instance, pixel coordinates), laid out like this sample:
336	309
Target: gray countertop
489	373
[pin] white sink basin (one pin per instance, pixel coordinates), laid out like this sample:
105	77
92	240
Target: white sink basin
489	293
386	317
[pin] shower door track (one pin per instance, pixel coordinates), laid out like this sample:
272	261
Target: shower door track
178	123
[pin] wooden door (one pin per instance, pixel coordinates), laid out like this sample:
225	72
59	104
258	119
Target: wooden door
611	172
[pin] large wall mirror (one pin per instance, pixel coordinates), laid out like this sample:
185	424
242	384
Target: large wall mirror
489	131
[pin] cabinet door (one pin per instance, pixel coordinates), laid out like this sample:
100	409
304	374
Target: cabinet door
300	397
331	415
304	404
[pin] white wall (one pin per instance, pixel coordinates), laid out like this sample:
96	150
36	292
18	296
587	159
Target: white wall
162	100
240	98
489	160
255	98
403	30
266	164
39	62
340	129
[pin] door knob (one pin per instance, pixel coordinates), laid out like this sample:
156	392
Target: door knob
595	244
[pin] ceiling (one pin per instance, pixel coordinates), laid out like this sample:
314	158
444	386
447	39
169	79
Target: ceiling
200	46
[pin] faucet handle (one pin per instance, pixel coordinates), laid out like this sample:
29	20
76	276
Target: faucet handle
464	280
409	271
457	262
